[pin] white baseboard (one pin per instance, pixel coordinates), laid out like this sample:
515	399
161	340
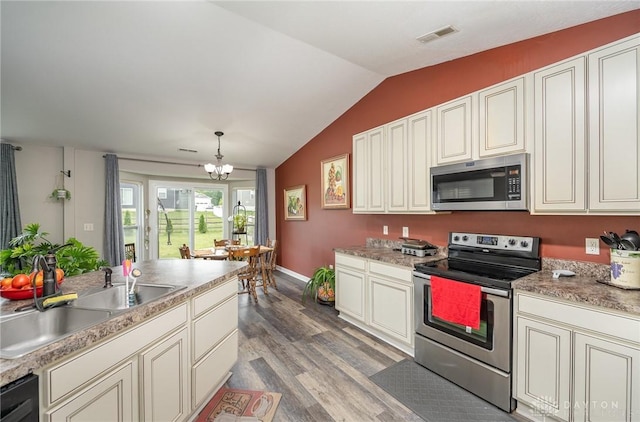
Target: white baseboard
293	274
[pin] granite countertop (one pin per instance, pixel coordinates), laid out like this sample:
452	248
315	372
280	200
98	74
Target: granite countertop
389	252
197	275
588	286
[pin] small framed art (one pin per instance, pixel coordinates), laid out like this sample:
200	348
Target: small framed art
335	182
295	203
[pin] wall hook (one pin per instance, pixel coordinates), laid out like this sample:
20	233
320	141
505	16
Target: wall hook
66	173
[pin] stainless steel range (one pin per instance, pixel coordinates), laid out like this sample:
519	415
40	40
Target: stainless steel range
478	359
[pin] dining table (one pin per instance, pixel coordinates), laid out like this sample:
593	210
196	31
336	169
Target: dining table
222	253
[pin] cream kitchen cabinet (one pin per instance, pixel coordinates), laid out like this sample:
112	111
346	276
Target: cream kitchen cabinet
575	362
614	128
111	398
454	131
559	157
376	297
369	171
165	377
391	167
501	119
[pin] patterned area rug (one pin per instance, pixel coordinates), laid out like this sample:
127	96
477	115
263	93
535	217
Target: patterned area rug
434	398
230	405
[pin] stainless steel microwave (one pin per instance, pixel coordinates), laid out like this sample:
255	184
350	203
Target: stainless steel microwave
498	183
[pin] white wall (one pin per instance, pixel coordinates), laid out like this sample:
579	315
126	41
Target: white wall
38	172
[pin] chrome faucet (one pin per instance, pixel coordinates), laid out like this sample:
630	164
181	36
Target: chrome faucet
47	264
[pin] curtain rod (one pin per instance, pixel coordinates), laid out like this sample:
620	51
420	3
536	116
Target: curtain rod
171	162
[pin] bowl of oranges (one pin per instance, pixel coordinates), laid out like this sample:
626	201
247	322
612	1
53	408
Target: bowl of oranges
20	286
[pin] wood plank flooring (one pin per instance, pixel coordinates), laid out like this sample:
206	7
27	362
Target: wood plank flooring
318	362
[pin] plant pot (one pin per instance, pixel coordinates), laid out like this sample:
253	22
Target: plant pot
325	295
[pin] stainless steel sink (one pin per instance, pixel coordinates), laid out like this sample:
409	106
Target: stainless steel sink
115	298
26	332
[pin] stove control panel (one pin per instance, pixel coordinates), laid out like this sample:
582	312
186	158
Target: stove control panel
492	241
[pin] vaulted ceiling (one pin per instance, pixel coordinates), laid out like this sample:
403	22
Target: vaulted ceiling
146	78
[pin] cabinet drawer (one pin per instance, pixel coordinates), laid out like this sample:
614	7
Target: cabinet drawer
390	271
213	368
213	326
351	261
595	320
211	298
62	379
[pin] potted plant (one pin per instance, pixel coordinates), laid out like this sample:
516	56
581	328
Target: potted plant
321	286
239	222
60	193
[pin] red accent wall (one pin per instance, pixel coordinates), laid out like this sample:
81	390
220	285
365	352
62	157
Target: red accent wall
308	244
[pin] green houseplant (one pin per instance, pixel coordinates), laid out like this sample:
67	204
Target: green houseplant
74	259
60	193
239	222
321	286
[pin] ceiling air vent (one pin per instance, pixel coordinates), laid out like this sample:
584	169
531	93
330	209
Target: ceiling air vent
186	150
434	35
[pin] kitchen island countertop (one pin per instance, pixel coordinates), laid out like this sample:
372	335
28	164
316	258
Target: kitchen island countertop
197	275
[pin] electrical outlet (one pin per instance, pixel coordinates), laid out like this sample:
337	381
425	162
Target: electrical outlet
385	229
405	232
592	247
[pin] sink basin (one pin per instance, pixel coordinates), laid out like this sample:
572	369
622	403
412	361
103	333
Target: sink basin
115	298
24	333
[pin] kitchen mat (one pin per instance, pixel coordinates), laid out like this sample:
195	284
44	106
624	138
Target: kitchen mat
231	405
432	397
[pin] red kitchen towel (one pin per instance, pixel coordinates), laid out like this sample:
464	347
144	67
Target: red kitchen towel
456	302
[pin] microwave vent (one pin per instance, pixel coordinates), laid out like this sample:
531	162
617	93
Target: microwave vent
434	35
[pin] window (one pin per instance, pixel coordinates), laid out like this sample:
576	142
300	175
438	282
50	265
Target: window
132	214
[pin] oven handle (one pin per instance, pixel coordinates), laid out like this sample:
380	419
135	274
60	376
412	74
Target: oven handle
488	290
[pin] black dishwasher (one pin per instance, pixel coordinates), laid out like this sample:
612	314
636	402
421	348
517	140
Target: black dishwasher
19	400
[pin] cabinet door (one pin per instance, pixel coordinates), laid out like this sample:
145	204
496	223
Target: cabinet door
391	308
419	161
501	113
376	169
614	127
165	382
397	151
360	172
350	293
543	367
607	378
112	398
453	134
559	138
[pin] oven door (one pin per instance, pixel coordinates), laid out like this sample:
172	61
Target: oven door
491	344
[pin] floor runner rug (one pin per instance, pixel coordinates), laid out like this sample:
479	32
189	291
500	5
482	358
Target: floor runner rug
434	398
230	405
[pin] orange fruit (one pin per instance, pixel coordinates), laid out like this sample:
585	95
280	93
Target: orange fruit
36	278
6	283
20	281
59	275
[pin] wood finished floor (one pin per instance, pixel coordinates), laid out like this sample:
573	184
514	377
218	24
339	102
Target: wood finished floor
319	363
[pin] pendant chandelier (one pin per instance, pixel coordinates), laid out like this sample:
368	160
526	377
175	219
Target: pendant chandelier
218	171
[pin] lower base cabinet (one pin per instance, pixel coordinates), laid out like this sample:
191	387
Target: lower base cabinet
112	398
575	363
378	298
161	370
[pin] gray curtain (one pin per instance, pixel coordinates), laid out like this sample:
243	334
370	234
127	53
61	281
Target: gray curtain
113	232
10	225
261	233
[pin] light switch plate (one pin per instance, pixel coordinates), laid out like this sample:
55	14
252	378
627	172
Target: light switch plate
405	232
385	229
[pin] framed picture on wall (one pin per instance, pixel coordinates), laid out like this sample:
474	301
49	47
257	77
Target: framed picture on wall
335	182
295	203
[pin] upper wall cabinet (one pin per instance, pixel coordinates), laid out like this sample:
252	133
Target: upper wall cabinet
614	125
559	138
501	119
453	131
391	167
369	171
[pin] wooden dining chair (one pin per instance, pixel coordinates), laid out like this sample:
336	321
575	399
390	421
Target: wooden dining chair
270	265
185	253
248	276
225	242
